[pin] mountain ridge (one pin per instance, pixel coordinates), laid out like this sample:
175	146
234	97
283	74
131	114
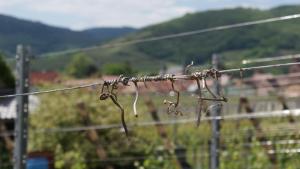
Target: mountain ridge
46	38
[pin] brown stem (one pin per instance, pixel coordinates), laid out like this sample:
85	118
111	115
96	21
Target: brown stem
122	114
260	134
92	134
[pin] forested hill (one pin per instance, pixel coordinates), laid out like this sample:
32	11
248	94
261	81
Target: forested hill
44	38
253	41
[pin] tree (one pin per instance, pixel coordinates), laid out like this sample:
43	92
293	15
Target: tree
118	68
81	66
6	79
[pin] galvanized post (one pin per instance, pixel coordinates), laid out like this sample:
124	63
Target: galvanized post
215	124
21	121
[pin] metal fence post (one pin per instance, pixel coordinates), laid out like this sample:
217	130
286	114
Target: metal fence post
215	124
21	121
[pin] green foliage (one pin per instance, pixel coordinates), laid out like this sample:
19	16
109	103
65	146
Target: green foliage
100	58
5	156
6	79
72	149
81	66
239	145
118	68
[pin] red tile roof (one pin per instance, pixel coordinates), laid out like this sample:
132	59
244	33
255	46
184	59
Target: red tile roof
42	77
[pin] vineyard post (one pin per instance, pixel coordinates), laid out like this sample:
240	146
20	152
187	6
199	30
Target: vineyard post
215	124
21	121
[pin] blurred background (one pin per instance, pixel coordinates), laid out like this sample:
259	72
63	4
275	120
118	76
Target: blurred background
70	43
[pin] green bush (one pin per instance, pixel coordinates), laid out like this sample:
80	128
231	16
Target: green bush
6	79
81	66
118	68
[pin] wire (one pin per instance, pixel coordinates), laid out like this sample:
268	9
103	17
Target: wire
270	142
279	113
269	133
187	33
259	67
271	59
138	158
52	90
155	78
162	157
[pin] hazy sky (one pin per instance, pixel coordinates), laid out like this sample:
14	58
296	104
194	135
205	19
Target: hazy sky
80	14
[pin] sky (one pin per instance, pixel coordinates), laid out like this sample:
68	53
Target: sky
82	14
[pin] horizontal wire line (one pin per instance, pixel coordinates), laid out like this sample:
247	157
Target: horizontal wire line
187	33
259	67
138	158
52	90
279	113
119	159
176	77
270	59
174	156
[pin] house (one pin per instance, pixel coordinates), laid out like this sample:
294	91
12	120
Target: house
8	107
43	77
175	69
295	68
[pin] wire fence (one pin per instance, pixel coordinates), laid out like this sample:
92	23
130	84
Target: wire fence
244	116
198	75
153	78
